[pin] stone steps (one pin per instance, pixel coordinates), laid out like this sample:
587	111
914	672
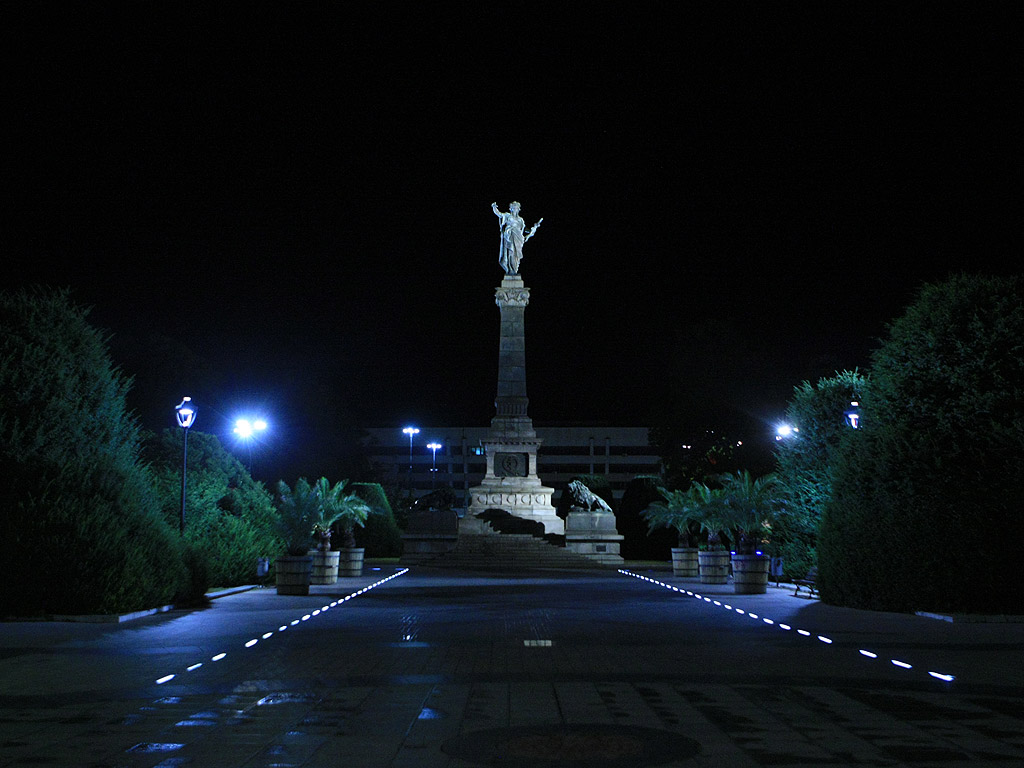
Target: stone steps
507	552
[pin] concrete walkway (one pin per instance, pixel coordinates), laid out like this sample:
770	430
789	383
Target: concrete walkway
570	669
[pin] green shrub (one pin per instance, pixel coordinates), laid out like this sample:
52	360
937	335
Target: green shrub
230	518
380	536
804	464
925	505
82	526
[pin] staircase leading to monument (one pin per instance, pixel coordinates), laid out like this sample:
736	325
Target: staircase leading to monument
507	552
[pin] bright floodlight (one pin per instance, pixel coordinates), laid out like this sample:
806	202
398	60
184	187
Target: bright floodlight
784	431
410	431
434	446
245	428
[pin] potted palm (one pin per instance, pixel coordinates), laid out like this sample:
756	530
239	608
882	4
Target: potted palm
712	559
677	510
298	510
749	506
343	510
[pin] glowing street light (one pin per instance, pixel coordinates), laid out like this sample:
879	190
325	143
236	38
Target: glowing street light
852	415
784	431
433	462
246	429
185	412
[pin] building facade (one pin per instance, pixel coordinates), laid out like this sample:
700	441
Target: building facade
618	453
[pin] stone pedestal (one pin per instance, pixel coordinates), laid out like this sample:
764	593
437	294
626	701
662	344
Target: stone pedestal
511	482
593	534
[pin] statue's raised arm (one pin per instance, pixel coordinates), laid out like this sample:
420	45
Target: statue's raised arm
533	230
513	236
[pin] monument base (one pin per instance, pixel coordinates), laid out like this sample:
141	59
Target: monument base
517	496
593	535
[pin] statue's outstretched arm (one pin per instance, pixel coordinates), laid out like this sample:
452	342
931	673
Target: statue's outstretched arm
532	230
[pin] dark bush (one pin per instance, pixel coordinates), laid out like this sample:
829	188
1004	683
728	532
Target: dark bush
380	536
637	543
82	526
925	507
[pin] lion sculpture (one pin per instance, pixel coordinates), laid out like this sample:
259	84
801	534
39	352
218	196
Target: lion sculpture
584	498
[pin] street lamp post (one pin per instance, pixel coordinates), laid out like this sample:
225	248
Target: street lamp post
433	463
185	412
410	431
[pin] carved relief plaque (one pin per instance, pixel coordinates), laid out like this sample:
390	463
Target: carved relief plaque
511	464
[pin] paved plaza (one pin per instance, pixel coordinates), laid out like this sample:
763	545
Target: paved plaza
433	668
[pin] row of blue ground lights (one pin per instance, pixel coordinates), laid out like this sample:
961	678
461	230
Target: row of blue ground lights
771	622
293	623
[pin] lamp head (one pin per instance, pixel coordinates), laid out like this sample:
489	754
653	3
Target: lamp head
185	411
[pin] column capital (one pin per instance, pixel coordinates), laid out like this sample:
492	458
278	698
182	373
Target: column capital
515	296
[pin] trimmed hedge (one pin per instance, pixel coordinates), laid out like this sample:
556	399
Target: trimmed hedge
925	511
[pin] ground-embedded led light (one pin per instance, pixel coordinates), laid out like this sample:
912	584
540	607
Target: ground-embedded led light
267	634
940	676
804	632
218	657
194	667
251	643
164	679
869	654
902	664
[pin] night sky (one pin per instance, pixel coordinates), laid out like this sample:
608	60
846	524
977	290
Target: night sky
286	209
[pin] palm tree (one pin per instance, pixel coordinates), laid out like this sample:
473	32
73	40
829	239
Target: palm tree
298	512
338	506
677	510
749	506
712	514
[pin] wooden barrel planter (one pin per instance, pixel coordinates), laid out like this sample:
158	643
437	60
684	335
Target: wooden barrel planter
351	563
713	566
293	573
750	574
684	561
325	567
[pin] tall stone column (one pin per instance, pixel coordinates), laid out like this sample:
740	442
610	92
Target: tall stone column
511	402
511	482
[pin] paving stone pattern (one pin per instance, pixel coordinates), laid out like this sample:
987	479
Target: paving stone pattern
442	669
